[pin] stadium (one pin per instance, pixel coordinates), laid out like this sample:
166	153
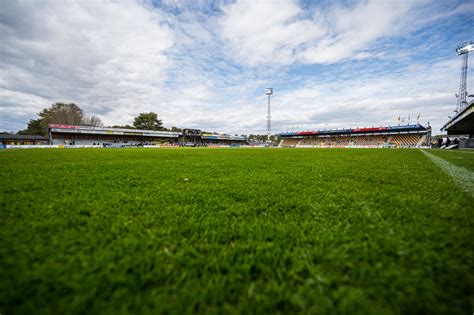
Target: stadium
367	218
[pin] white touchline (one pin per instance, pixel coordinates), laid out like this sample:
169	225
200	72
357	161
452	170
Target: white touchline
462	176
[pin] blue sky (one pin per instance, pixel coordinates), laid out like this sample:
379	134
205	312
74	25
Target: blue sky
205	64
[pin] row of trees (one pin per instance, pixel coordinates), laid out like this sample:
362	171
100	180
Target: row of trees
71	114
264	138
148	121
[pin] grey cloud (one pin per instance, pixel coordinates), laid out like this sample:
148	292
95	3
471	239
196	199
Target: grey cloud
101	55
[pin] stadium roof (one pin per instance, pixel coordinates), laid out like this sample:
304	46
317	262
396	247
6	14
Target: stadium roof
58	128
21	137
462	123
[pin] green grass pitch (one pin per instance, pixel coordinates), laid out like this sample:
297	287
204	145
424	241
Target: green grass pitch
219	231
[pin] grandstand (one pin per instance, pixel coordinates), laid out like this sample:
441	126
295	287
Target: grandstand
462	126
96	136
8	139
87	135
220	139
404	136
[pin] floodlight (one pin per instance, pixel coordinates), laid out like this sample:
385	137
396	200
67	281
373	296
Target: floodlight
465	48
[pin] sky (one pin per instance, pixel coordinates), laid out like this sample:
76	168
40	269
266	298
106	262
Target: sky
206	64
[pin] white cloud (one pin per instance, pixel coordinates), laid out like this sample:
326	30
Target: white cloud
279	32
266	31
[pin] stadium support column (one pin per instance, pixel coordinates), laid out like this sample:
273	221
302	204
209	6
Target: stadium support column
428	136
269	92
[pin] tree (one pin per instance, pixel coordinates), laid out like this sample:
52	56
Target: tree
59	113
148	121
93	121
264	138
121	127
34	127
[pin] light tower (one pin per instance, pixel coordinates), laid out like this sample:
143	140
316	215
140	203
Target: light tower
463	50
269	92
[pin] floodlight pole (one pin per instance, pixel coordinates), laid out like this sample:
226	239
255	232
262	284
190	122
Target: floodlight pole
269	92
462	84
269	119
463	51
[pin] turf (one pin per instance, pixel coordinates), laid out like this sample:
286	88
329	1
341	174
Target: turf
368	231
463	158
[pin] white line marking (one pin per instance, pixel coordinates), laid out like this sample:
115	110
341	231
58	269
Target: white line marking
461	176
